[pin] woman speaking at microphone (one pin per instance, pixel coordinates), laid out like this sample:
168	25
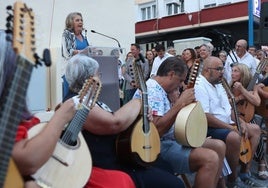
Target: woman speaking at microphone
73	41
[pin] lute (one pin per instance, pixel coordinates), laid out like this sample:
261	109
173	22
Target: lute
191	122
245	108
140	143
21	32
71	157
245	147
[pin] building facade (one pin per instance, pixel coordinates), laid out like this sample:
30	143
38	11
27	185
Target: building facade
222	21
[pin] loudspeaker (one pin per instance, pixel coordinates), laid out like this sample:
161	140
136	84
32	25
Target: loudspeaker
264	23
110	83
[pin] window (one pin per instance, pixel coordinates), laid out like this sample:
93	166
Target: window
148	12
175	7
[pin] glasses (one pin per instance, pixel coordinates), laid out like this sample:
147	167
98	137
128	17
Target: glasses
219	69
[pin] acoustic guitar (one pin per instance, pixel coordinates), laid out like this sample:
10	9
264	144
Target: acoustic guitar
263	108
245	108
70	164
140	143
245	147
19	53
191	122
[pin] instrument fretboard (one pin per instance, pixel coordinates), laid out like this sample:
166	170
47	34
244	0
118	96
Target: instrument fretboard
11	112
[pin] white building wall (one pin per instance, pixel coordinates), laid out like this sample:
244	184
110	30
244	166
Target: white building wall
113	18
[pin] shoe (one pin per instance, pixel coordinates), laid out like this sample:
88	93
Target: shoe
263	175
237	184
250	181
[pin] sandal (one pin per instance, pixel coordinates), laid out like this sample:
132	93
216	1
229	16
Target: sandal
263	175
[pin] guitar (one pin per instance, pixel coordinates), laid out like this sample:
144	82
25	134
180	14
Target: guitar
21	56
245	108
140	143
263	108
245	147
71	157
191	122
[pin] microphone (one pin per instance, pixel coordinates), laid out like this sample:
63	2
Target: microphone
93	31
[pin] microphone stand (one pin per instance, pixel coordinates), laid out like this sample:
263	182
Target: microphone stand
227	45
93	31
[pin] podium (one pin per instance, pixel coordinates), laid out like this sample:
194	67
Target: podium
107	58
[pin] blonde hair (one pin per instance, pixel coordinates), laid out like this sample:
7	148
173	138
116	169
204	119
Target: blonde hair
246	75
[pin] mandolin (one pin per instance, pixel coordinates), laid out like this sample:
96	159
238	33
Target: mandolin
140	143
71	157
245	147
191	122
245	108
21	33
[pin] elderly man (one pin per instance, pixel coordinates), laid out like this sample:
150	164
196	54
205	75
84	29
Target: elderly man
240	55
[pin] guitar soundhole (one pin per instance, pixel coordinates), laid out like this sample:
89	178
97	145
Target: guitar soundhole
69	141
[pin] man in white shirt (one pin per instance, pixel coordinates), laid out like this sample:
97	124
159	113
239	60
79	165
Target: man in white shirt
161	56
240	55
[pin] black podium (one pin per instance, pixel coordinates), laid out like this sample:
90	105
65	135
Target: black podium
108	62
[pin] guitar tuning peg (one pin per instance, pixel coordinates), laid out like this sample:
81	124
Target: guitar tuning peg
37	60
9	7
9	18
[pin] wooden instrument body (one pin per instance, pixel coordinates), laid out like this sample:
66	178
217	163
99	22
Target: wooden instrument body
140	143
69	166
191	122
246	110
263	108
191	125
136	147
245	146
13	178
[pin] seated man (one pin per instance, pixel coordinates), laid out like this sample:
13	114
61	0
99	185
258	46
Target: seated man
215	103
205	162
102	127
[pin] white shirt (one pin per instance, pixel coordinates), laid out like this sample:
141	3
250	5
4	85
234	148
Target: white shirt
157	62
247	59
214	100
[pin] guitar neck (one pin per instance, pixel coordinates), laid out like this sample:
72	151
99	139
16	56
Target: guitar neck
253	81
146	127
75	126
237	121
11	111
140	79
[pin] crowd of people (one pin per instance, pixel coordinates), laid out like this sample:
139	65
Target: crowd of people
166	74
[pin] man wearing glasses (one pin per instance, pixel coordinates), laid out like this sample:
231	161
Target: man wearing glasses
221	121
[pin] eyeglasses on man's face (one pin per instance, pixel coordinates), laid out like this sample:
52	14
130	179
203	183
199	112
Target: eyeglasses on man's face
219	69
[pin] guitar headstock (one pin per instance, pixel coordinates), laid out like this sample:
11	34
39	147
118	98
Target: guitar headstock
21	25
195	71
90	92
139	78
23	39
262	65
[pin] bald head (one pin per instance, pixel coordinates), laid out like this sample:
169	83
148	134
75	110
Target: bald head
211	61
243	43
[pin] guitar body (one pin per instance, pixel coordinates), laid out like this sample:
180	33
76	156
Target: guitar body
191	125
69	166
263	108
246	110
133	146
245	150
13	178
